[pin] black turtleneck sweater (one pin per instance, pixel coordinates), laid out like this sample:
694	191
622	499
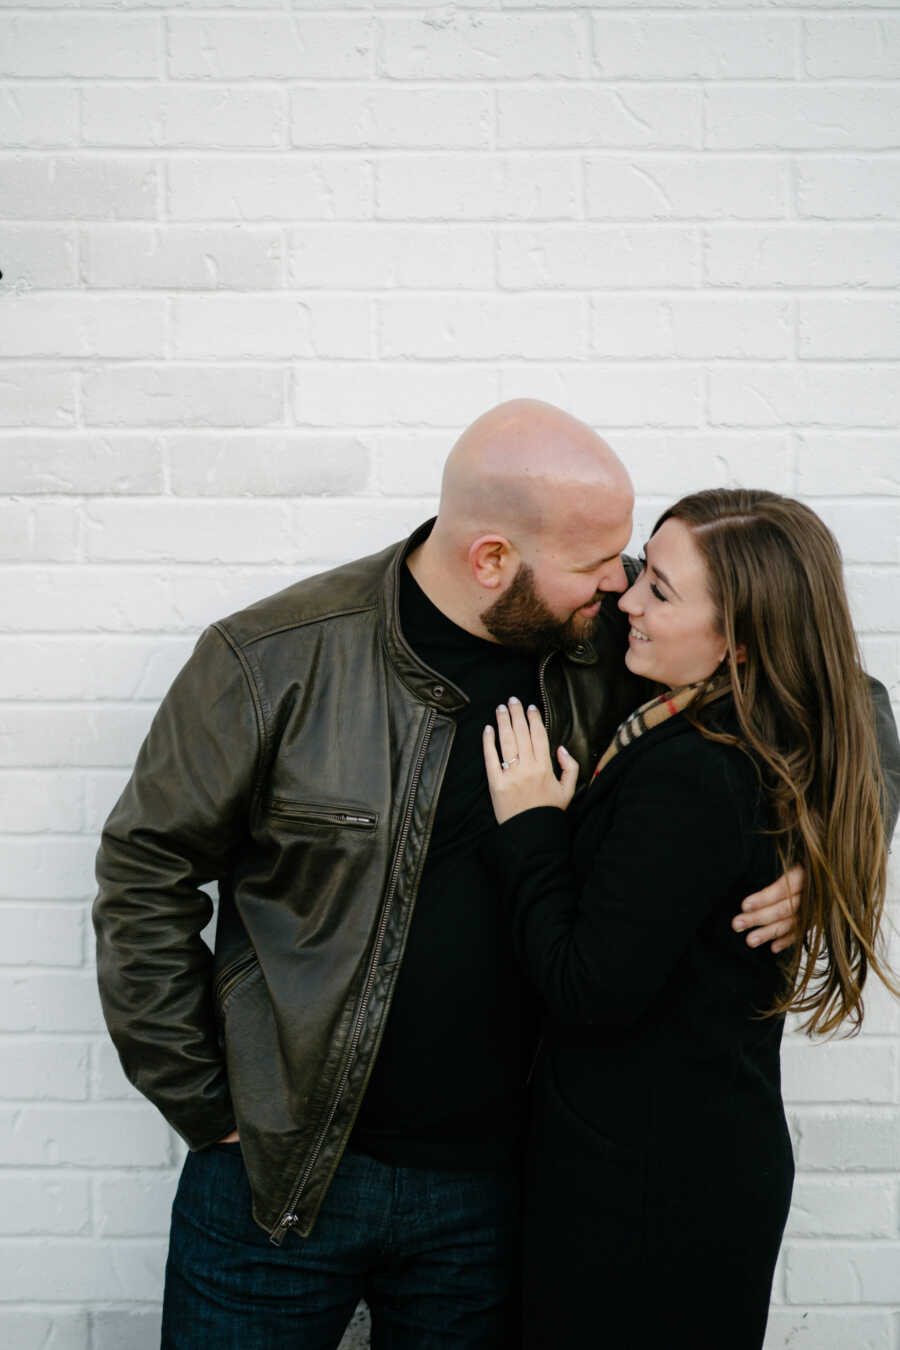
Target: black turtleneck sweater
446	1088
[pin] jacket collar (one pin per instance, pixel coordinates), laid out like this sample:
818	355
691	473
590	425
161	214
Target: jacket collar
426	684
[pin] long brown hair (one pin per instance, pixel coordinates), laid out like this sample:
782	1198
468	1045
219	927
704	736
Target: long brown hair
805	715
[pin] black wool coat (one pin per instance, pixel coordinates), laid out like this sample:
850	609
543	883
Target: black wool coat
659	1168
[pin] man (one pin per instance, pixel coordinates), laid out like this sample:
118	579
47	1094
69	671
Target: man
350	1063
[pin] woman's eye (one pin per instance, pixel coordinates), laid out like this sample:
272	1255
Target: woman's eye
655	589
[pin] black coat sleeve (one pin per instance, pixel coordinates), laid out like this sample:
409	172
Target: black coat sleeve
599	948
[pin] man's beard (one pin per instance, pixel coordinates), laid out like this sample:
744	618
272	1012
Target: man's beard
520	619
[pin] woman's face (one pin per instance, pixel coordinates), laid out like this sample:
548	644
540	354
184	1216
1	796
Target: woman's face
673	637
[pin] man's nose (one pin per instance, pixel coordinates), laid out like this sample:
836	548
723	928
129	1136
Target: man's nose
628	602
616	580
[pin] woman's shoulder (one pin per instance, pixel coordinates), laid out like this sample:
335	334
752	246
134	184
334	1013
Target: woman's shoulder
693	788
679	749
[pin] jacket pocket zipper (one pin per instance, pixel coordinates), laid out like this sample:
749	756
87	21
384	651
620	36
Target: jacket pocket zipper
232	975
322	815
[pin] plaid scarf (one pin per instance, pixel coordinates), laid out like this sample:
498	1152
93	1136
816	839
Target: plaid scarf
655	711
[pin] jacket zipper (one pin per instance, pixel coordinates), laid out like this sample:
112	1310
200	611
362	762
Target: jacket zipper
545	661
295	811
545	701
290	1217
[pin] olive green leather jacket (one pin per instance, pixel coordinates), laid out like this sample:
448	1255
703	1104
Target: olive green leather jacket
296	760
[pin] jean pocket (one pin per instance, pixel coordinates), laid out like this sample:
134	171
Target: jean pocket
214	1197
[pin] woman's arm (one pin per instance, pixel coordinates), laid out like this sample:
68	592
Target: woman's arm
677	844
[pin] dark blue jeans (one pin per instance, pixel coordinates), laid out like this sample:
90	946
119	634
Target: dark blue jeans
433	1253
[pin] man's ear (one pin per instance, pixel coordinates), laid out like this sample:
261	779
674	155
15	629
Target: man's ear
493	560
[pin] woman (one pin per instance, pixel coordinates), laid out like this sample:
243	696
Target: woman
660	1168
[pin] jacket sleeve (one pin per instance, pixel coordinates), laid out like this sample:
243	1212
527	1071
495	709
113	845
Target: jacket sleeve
888	753
175	828
600	951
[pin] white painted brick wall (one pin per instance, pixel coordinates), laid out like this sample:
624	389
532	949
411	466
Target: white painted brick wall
261	260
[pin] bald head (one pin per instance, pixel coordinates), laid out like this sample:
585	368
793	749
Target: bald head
535	512
528	470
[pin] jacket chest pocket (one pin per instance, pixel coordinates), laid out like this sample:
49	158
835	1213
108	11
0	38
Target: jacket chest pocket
303	813
233	977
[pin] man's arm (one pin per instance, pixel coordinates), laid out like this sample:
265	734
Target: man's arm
176	827
769	914
888	753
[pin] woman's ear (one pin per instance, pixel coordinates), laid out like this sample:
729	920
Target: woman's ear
492	560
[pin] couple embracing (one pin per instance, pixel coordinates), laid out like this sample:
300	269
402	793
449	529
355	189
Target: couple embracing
524	849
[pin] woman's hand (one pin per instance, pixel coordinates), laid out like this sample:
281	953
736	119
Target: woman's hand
522	776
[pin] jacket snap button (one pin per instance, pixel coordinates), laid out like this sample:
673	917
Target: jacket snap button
438	690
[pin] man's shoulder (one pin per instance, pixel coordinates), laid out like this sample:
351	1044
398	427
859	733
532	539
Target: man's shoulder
352	588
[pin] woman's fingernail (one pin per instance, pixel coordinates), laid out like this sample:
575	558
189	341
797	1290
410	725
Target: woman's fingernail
739	925
513	699
565	752
532	707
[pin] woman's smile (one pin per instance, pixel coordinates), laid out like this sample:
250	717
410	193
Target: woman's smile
670	609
